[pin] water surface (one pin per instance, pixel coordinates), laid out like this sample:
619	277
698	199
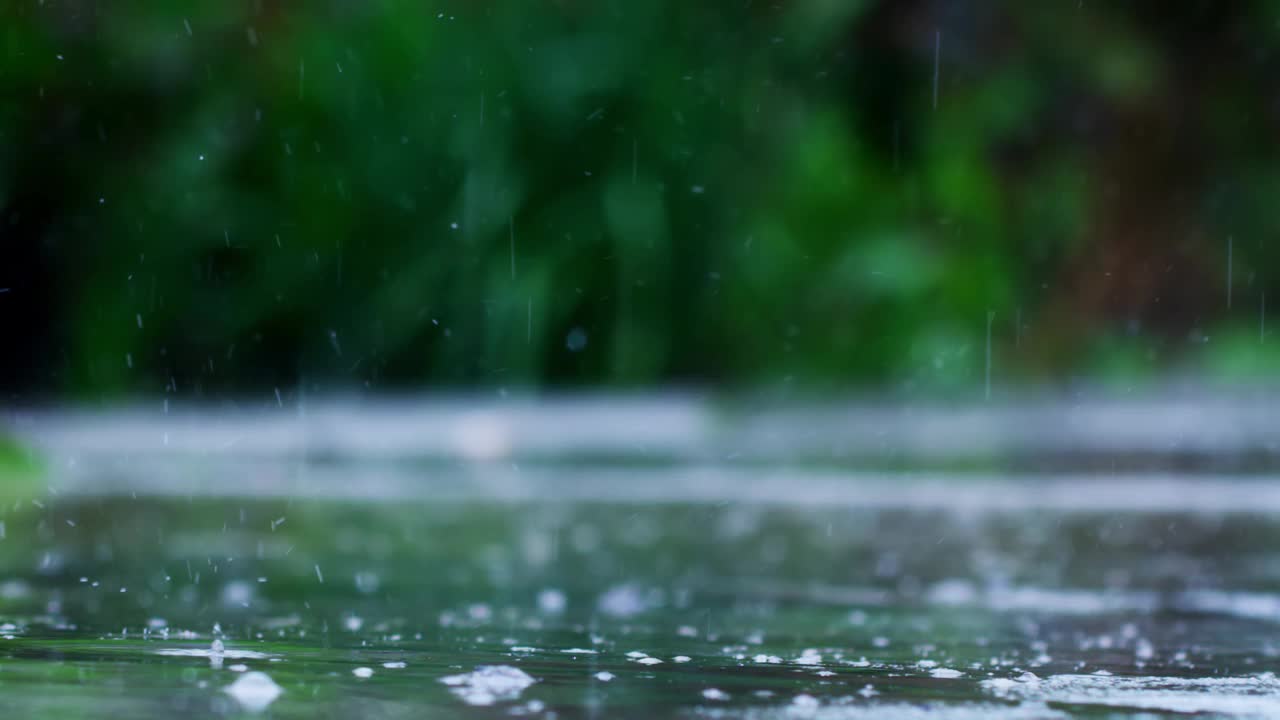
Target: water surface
488	579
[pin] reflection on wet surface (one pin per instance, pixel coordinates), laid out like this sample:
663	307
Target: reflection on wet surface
618	608
207	584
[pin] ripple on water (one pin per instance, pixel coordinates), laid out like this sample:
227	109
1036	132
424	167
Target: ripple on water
209	653
1244	696
807	708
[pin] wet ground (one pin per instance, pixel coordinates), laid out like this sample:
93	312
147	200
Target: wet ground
636	574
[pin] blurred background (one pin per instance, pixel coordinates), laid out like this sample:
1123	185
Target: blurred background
218	198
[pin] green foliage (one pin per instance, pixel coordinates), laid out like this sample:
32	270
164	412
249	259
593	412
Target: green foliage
392	193
21	470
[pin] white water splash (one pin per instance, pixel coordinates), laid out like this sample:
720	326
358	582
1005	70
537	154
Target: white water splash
254	691
489	684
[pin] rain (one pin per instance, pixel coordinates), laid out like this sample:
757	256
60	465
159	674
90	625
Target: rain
724	361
